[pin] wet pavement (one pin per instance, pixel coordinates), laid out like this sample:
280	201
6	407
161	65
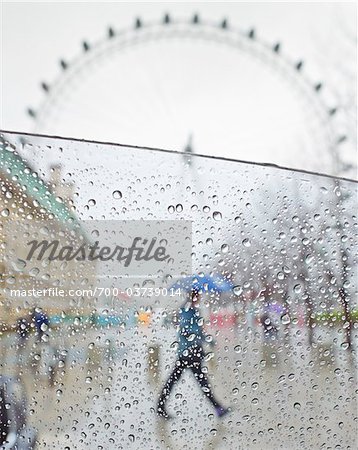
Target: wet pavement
283	395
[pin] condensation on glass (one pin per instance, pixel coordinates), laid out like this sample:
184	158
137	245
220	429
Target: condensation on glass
273	253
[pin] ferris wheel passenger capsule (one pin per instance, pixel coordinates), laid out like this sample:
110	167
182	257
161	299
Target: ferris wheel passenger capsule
63	64
85	46
276	47
299	65
31	112
196	18
45	86
224	24
318	87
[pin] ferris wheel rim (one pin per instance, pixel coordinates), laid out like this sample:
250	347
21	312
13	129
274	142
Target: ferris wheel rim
216	32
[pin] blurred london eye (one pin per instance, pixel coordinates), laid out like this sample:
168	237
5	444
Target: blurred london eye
139	142
159	83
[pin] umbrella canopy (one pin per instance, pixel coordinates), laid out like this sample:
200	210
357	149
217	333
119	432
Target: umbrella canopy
275	308
204	283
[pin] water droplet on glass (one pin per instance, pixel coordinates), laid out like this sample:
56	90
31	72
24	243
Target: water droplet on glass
285	319
237	290
346	284
224	248
246	242
117	195
19	265
297	288
34	272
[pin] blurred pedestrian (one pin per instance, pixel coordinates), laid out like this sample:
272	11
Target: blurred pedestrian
270	340
190	356
42	323
270	330
22	331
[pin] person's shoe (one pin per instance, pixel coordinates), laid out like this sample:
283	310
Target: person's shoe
221	412
163	414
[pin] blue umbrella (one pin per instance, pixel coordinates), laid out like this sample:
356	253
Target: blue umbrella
204	283
275	307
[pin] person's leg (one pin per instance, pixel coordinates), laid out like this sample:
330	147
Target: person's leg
200	375
39	333
173	378
197	369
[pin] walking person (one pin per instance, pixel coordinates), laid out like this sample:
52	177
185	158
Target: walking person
270	340
190	356
22	331
42	324
270	330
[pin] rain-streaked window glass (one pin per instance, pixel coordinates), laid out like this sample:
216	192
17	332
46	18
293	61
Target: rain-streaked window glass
152	299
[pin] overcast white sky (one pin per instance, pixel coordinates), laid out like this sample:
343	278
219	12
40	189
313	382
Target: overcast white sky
36	34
